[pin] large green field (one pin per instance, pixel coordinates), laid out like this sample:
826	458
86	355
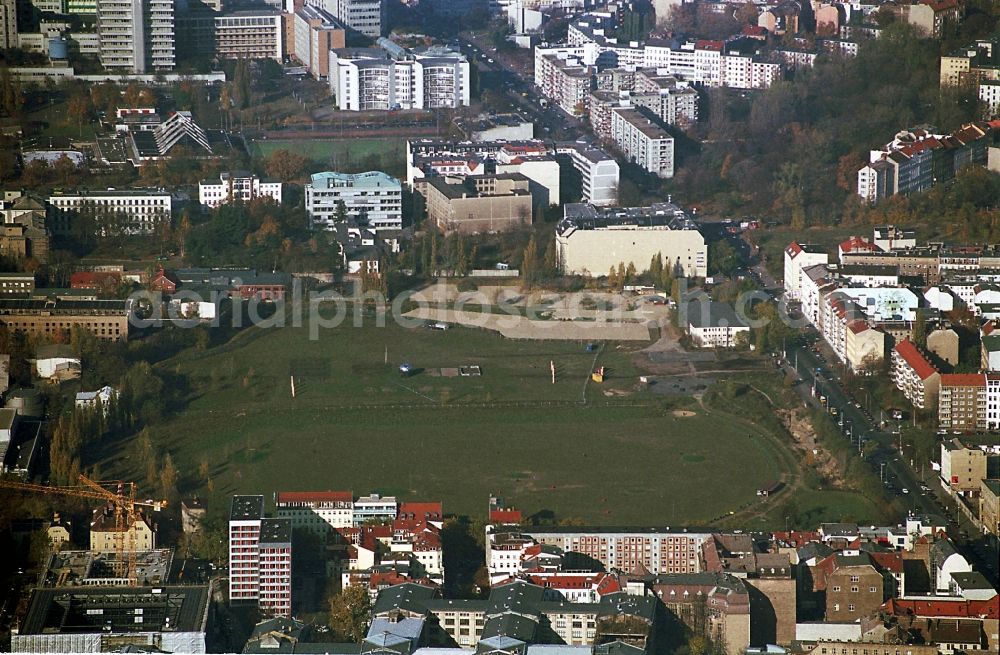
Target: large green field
324	149
624	456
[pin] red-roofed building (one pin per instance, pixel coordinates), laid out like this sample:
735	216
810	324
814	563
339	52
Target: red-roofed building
798	257
985	611
421	512
164	281
106	281
855	245
914	375
502	515
320	512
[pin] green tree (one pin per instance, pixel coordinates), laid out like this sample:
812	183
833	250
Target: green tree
551	260
919	333
529	263
349	612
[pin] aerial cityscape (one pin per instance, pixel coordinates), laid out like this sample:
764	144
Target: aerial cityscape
500	327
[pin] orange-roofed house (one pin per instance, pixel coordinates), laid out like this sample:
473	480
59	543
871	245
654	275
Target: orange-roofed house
855	244
915	375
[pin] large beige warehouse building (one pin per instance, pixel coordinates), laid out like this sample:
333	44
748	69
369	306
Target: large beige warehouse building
589	240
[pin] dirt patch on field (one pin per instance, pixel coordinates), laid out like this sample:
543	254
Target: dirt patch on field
683	413
797	423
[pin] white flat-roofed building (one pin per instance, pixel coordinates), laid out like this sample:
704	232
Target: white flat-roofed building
319	512
250	34
798	257
128	211
363	16
374	508
237	185
642	141
371	199
590	241
599	172
389	77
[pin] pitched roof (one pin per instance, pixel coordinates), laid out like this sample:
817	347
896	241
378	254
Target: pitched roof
915	359
963	380
314	496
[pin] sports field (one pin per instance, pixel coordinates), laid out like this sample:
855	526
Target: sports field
624	456
324	149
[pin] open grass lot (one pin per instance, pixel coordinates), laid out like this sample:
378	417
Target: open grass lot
340	149
624	457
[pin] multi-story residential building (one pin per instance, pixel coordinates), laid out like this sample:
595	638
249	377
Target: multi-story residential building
989	95
319	512
590	241
962	468
275	567
23	230
136	35
317	32
260	557
798	257
915	160
245	517
250	34
914	375
104	532
890	237
367	17
374	508
715	325
934	18
718	603
972	64
105	319
371	199
852	584
642	141
242	186
845	327
535	159
127	211
962	403
8	24
389	77
565	75
598	171
658	550
479	203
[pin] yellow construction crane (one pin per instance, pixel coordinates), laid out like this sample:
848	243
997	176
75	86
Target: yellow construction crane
126	508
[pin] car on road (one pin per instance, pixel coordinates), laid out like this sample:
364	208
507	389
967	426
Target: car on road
905	490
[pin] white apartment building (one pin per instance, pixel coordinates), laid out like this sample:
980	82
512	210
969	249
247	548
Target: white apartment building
371	199
319	512
914	375
598	170
535	159
642	141
237	185
136	35
374	508
363	16
589	241
566	76
250	34
989	95
127	211
365	79
714	325
798	257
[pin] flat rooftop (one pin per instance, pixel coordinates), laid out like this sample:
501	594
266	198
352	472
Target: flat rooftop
583	216
247	508
642	123
117	610
276	531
